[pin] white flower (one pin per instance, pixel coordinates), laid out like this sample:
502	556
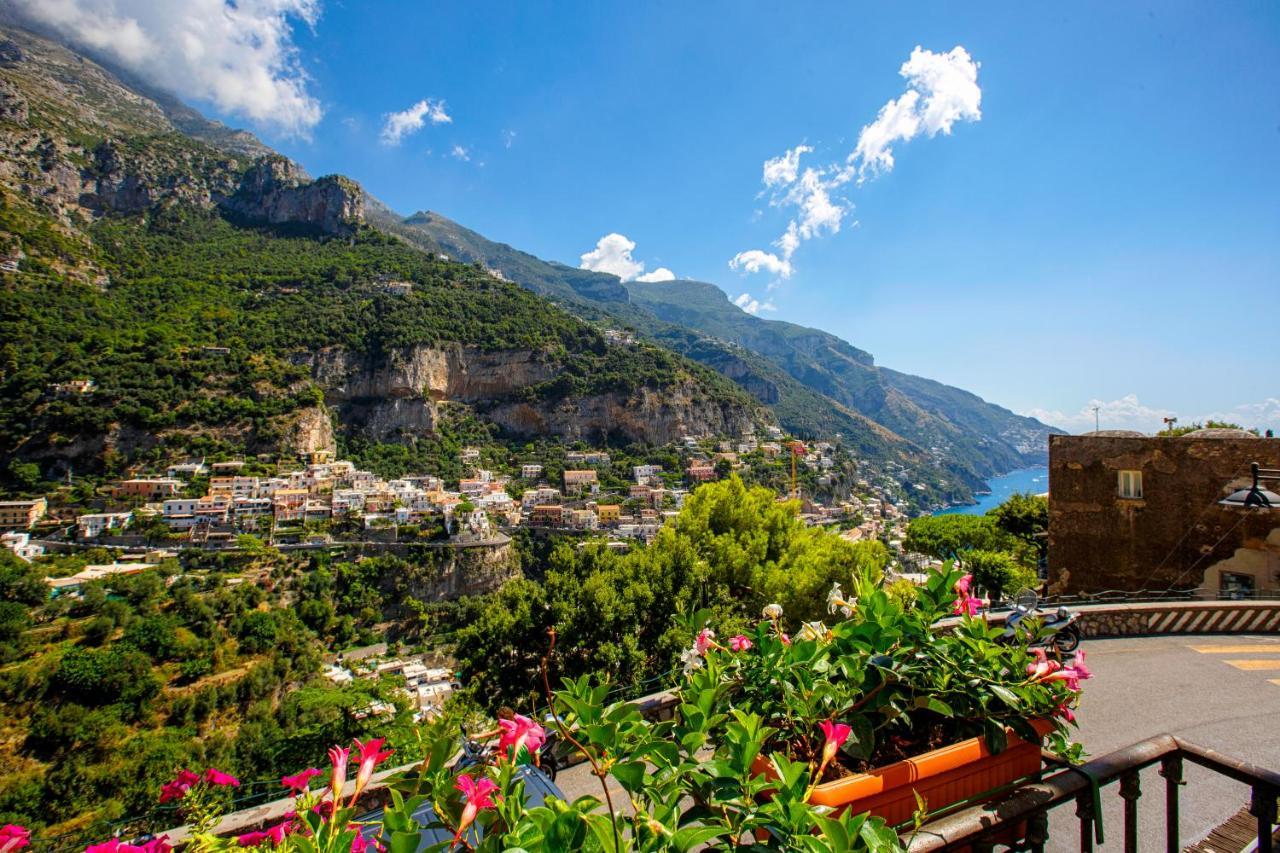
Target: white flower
812	631
772	612
836	602
691	659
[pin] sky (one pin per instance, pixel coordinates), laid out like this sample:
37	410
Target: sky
1055	206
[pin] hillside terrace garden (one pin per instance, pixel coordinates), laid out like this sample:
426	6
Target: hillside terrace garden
778	735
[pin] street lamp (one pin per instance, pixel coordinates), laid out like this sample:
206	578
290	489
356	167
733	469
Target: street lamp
1255	495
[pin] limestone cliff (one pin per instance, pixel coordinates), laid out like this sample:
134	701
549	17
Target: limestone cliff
399	393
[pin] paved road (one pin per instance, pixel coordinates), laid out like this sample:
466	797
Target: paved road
1222	692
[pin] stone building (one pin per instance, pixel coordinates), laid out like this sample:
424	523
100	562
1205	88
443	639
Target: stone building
1132	512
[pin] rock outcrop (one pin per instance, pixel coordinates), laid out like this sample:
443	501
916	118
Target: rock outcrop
274	190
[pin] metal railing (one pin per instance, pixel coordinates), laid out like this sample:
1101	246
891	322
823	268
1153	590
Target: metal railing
979	827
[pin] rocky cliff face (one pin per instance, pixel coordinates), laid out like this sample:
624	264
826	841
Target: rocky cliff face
399	394
274	190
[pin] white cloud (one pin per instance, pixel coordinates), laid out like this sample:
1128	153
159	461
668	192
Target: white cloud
612	254
660	274
752	305
508	138
1128	412
396	126
755	260
460	153
239	56
783	169
942	89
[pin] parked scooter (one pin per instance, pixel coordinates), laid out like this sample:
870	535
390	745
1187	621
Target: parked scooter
475	752
1057	629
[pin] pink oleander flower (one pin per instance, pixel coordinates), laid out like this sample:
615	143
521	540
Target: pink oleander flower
158	845
740	643
835	734
177	789
478	795
14	837
1040	668
963	585
705	640
299	782
967	605
338	757
1064	711
520	732
213	776
371	755
251	839
1077	664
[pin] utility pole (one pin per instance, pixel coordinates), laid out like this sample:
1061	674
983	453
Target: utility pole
1096	428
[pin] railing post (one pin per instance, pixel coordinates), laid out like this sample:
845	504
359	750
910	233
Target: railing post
1037	832
1130	791
1084	811
1171	770
1262	805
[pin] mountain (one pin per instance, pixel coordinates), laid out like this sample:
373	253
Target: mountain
815	382
172	286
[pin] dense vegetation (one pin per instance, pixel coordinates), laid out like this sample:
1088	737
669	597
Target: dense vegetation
1003	549
732	550
183	282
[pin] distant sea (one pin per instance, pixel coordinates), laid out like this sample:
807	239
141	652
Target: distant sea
1034	480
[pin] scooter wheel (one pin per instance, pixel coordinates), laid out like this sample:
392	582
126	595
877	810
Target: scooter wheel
1068	639
549	767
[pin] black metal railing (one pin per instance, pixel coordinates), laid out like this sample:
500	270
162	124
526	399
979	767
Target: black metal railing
979	827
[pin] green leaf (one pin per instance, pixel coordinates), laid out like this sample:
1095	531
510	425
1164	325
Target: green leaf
1007	696
692	836
630	775
997	738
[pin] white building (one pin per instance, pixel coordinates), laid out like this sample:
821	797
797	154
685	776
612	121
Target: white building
530	472
93	525
21	545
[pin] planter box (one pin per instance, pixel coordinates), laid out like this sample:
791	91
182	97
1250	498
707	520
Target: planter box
943	777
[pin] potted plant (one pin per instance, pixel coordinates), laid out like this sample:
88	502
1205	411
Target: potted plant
887	708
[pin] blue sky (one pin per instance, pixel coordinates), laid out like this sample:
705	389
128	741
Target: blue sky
1103	226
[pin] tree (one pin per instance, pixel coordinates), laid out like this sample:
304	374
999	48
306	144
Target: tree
21	582
1025	516
946	536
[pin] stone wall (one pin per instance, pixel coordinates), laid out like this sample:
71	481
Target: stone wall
1175	532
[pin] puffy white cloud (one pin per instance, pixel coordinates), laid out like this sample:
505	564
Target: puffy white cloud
238	56
1128	412
782	170
752	305
942	89
396	126
660	274
756	260
612	254
460	153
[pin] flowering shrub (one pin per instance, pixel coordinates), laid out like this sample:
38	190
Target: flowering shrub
881	683
894	683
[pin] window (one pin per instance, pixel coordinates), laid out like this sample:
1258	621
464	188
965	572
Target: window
1130	484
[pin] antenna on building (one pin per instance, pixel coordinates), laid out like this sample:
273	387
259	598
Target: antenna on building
1168	423
1096	428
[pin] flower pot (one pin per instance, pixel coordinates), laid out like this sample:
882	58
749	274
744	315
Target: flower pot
942	777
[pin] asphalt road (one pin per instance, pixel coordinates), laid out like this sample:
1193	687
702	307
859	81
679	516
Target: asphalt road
1222	692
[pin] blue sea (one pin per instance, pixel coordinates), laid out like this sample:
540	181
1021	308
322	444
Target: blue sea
1034	480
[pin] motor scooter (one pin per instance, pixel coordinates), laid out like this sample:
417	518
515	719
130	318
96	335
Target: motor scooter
1058	629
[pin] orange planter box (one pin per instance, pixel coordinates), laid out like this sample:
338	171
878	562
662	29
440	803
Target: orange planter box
943	777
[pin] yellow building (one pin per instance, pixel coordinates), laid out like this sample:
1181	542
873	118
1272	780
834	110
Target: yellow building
609	513
19	515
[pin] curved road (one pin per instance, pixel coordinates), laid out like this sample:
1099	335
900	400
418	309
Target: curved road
1222	692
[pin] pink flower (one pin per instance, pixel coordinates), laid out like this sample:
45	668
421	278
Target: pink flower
967	605
114	845
360	844
835	734
177	789
1064	711
740	643
520	732
963	585
1077	664
1040	668
13	837
338	757
477	793
251	839
705	640
158	845
299	781
786	640
370	757
216	777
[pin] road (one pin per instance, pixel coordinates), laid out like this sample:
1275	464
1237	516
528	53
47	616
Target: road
1222	692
